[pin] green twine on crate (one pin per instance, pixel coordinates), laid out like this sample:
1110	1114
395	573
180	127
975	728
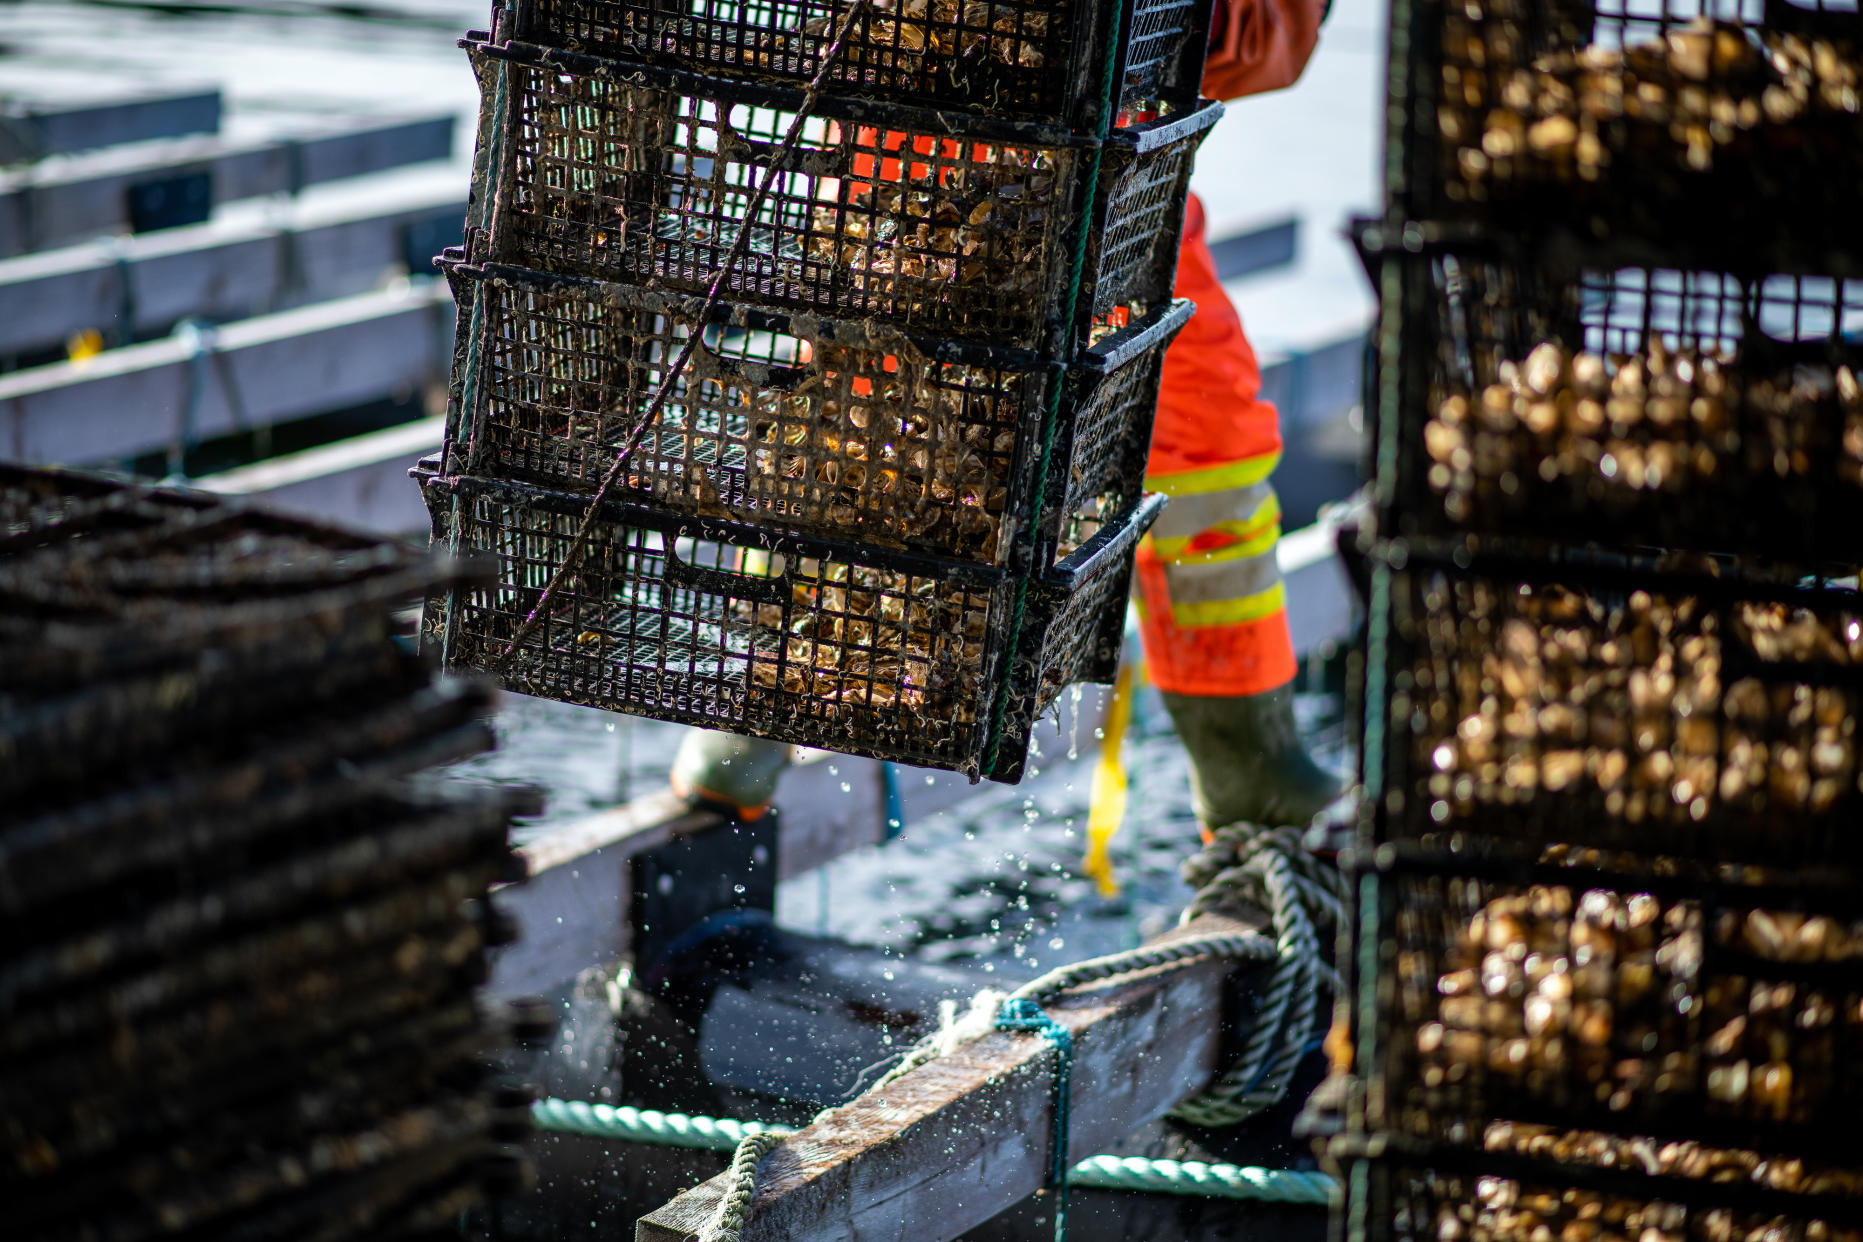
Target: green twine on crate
1051	425
1024	1013
1133	1174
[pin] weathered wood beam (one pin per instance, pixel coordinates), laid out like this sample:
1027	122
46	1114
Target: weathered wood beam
1256	250
361	482
573	912
69	199
950	1145
254	373
228	268
33	129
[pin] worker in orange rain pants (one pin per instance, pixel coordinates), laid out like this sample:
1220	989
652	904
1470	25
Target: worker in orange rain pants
1212	614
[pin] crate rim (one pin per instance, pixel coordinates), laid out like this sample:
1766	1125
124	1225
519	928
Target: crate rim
1412	859
1384	1146
960	125
1083	563
1397	234
1582	566
1110	355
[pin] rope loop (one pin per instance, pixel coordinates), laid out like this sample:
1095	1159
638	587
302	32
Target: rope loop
1245	865
1024	1013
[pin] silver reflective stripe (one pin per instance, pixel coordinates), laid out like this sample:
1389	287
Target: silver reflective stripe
1215	582
1186	516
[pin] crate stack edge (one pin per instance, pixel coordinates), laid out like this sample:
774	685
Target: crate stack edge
891	505
1604	972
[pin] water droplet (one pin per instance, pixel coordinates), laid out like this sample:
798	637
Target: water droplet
846	788
737	888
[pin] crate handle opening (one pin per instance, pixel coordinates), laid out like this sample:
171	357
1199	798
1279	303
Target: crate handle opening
756	356
755	574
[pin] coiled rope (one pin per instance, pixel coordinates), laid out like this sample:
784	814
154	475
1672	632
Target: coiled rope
1125	1173
1242	867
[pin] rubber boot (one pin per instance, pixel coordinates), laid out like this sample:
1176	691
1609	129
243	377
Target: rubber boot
1247	762
736	773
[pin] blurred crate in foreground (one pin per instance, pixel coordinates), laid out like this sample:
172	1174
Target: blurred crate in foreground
1704	127
1581	1188
1577	398
1639	1003
238	987
1533	704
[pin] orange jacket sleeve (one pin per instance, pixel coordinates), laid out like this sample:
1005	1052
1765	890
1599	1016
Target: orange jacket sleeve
1259	45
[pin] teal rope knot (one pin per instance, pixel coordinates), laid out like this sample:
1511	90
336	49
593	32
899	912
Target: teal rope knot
1023	1013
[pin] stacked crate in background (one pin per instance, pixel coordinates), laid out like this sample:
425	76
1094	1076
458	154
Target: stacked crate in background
889	506
1606	969
242	943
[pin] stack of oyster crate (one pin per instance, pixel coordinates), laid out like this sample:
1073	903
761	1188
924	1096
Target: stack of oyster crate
1606	968
240	935
889	506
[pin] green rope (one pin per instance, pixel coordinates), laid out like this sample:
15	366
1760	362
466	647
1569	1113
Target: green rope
1051	418
1133	1174
1023	1013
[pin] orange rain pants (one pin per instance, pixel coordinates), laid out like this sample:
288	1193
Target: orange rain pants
1212	611
1213	614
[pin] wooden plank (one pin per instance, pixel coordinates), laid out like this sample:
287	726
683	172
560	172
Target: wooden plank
227	269
69	199
34	129
950	1145
291	365
361	482
573	911
1257	250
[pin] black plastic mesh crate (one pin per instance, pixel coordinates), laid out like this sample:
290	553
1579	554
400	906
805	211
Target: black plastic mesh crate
1578	1189
932	662
1723	125
625	174
1666	407
1027	60
1693	716
847	431
1678	1007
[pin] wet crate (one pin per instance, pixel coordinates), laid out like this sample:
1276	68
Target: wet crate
621	173
1609	706
1682	1007
930	662
1723	127
846	431
1025	60
1578	399
1420	1193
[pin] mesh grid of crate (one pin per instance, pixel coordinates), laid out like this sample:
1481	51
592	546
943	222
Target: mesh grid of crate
1606	962
889	505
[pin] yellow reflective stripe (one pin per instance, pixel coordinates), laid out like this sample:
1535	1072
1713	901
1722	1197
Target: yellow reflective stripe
1186	515
1231	611
1262	525
1215	478
1221	581
1245	546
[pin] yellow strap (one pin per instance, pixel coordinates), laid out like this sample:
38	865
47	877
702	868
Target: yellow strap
1108	806
1249	470
1217	612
